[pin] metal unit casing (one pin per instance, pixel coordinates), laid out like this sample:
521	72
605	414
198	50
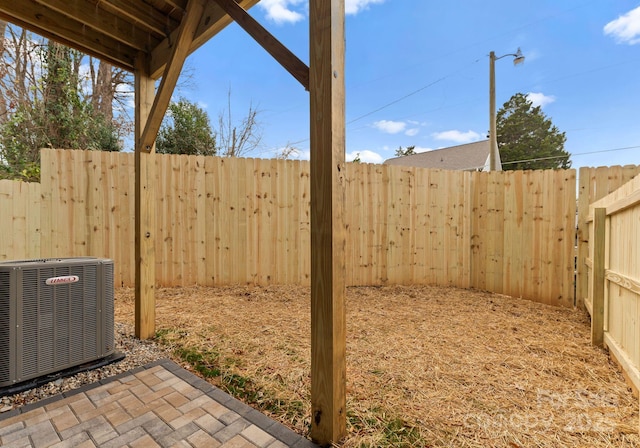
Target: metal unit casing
55	314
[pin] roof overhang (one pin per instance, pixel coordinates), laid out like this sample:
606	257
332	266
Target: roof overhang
117	31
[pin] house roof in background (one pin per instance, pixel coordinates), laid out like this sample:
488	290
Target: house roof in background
470	156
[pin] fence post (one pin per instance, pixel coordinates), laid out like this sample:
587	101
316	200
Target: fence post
599	243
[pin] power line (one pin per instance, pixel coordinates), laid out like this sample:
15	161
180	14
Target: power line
402	98
571	155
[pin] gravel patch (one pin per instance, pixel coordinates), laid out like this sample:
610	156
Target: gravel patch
137	353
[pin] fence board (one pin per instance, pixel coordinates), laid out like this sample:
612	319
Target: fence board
594	184
618	274
226	221
20	235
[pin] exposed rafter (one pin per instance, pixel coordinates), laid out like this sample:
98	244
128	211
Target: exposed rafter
171	74
214	20
54	25
116	30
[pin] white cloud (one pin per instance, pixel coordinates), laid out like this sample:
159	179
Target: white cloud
540	99
418	149
355	6
366	156
282	11
390	127
457	136
292	11
395	127
626	28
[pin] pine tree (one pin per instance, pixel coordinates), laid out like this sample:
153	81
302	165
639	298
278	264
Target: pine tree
527	139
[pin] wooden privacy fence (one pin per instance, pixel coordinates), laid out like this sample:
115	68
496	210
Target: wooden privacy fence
613	298
20	205
594	184
229	220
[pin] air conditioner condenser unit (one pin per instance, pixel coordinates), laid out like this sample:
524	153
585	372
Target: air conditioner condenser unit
55	314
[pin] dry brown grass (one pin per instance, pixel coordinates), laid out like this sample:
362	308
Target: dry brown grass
426	366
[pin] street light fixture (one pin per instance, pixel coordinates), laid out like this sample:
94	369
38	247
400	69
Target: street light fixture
518	58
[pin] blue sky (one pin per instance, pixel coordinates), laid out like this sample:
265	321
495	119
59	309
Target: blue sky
417	73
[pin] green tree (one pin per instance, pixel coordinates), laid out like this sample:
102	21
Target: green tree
51	113
186	130
410	150
527	139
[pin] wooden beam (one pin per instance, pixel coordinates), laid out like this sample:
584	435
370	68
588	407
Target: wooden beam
53	25
623	281
598	276
103	21
171	73
145	303
273	46
624	203
328	233
214	20
142	14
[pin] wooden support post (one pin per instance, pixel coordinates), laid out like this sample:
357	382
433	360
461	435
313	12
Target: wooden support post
145	208
328	234
598	276
171	73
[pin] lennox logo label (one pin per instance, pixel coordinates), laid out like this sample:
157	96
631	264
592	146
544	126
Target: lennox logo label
65	279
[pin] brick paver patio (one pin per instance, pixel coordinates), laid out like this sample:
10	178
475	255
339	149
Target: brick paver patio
159	405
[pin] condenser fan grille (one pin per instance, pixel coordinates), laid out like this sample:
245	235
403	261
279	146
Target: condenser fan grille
60	315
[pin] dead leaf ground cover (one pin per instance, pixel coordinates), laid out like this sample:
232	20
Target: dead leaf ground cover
426	366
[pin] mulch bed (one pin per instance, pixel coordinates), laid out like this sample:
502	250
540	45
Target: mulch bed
426	366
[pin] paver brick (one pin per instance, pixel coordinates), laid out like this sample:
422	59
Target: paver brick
64	420
23	442
187	418
146	441
183	433
103	432
36	417
83	426
167	412
277	444
214	408
117	416
238	442
82	408
12	427
149	378
229	432
176	399
209	424
124	439
198	402
86	444
157	427
201	439
44	436
257	436
168	383
73	442
130	403
284	434
133	423
67	401
108	407
229	417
